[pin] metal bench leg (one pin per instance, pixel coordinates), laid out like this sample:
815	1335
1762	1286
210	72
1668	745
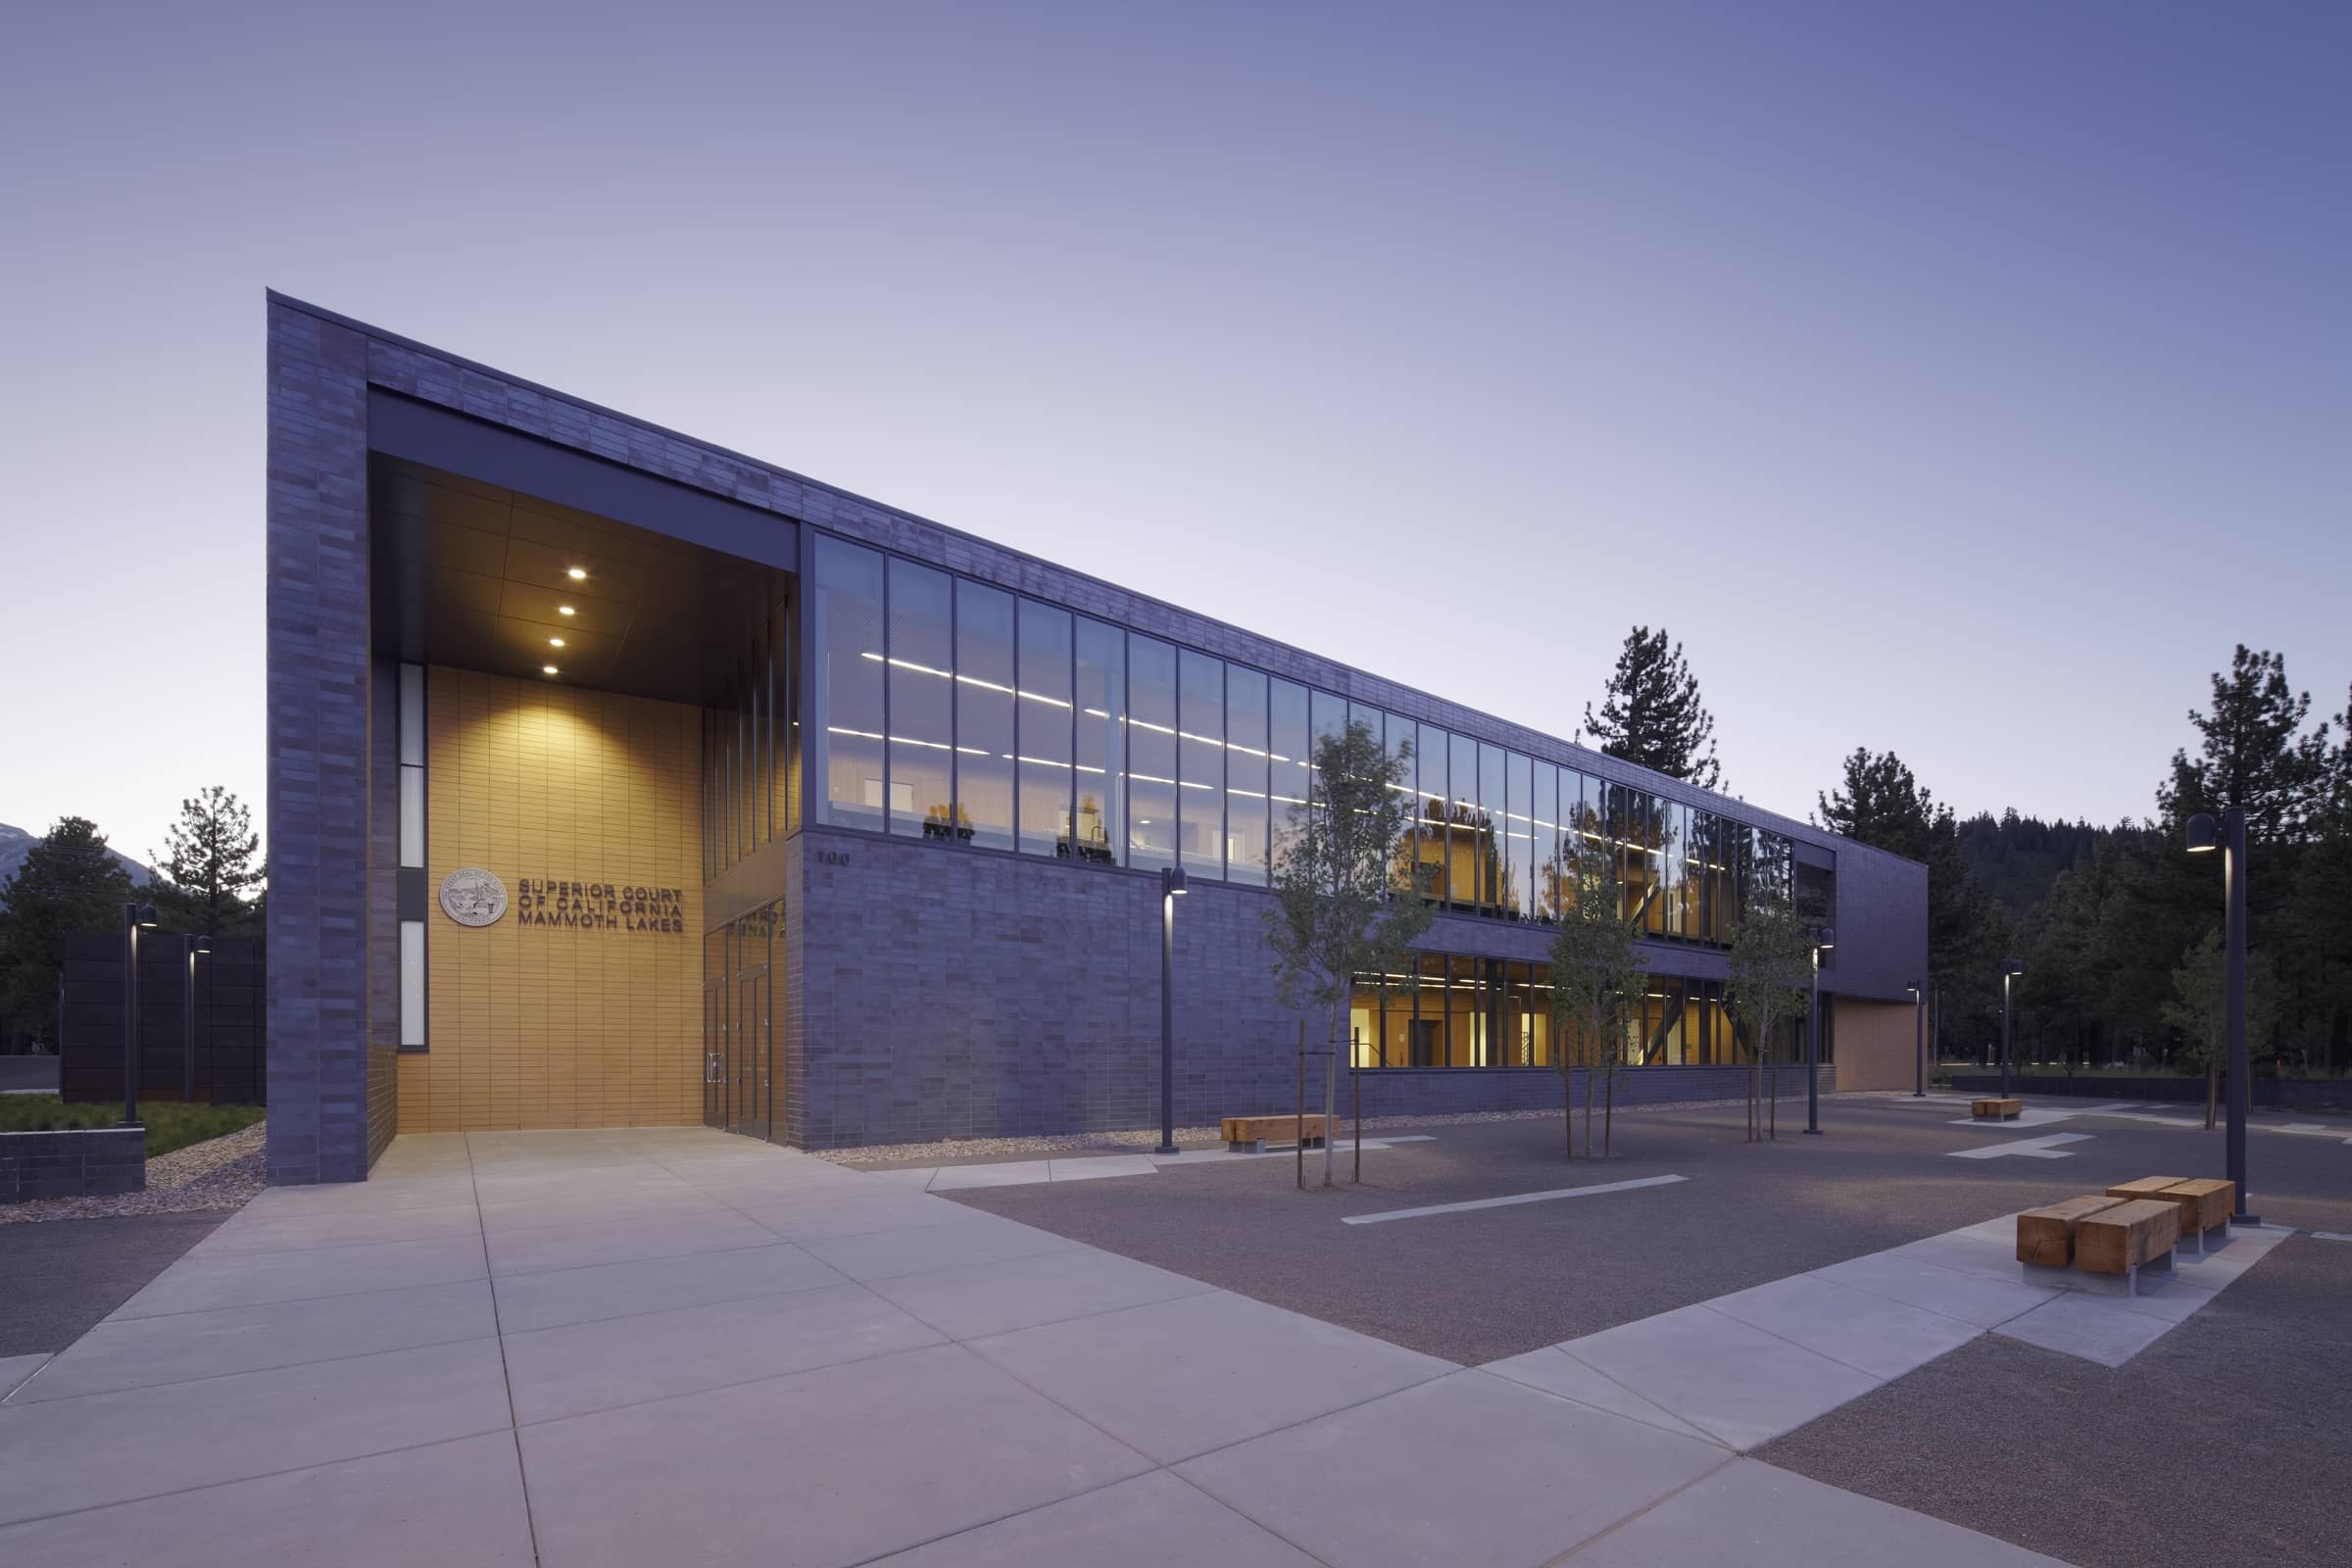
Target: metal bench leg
1255	1145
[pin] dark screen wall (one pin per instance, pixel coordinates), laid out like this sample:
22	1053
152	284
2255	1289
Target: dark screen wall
228	1017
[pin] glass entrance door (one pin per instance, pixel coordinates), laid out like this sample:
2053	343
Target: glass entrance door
749	1091
715	1053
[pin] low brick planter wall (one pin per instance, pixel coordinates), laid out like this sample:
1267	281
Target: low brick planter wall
79	1163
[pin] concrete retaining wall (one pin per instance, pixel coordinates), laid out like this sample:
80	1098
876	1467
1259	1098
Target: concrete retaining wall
2269	1094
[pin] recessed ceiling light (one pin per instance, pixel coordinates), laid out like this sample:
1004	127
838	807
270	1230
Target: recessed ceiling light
546	669
555	642
563	610
578	574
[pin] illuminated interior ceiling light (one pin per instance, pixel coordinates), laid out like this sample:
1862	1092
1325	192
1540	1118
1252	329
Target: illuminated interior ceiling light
546	669
555	642
563	610
577	573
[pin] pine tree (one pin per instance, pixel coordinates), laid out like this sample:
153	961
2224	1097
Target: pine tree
211	864
1651	714
69	881
2254	753
1881	804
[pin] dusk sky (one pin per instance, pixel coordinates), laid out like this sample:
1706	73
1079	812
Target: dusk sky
1960	380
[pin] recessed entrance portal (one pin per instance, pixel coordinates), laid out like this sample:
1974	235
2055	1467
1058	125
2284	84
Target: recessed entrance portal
600	727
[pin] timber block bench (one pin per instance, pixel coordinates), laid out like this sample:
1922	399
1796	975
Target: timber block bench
2045	1237
1997	1109
1247	1135
2134	1234
2205	1204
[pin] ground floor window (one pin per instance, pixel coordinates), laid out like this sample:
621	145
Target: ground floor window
1459	1010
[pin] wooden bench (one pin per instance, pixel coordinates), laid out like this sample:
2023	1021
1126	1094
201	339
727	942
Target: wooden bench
2204	1202
2004	1109
2135	1234
1247	1135
2045	1237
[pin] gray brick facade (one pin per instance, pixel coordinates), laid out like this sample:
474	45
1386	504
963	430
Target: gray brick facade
318	748
939	993
81	1162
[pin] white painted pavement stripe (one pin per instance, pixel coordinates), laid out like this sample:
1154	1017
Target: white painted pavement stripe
2031	1147
2332	1236
1515	1198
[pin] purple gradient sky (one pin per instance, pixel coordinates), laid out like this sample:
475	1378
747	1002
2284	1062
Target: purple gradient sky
1960	380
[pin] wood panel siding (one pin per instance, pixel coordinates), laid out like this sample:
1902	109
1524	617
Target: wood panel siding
538	1024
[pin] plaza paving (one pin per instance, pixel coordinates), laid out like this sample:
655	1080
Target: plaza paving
674	1345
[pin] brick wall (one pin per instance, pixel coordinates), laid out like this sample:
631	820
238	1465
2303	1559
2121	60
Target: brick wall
383	1099
78	1163
933	993
317	716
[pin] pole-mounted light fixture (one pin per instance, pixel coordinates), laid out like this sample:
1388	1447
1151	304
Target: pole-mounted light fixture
1918	1041
1824	940
2205	835
2010	970
136	917
1171	888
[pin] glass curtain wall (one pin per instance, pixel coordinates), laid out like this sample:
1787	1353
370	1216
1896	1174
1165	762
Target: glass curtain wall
847	694
1201	763
957	711
921	686
1150	753
1101	741
984	703
750	759
1291	734
1247	777
1047	739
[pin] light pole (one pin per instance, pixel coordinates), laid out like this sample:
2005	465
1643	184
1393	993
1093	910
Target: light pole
2010	970
1919	1040
136	917
2229	837
1171	888
193	945
1824	939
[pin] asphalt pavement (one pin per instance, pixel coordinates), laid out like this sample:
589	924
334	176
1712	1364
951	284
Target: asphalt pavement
59	1277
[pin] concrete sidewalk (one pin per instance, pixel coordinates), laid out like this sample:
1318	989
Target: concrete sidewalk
647	1345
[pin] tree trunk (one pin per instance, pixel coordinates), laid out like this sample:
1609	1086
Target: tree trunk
1588	1104
1568	1110
1331	1086
1772	1094
1609	1114
2213	1079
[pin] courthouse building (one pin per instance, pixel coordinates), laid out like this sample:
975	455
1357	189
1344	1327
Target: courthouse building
619	779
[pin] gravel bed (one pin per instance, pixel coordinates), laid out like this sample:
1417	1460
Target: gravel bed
966	1148
220	1174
